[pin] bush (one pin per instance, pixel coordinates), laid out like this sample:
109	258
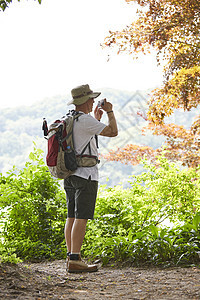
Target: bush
34	210
155	221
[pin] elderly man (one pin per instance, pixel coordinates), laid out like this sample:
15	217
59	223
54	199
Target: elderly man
81	187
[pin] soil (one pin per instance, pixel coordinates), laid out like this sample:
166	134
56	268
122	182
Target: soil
49	280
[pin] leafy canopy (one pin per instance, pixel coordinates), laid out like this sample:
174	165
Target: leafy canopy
171	28
5	3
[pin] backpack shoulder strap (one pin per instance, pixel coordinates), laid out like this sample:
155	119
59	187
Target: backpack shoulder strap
74	115
69	119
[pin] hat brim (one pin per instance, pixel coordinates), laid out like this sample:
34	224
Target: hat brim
84	99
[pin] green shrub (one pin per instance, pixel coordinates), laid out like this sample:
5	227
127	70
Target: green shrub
155	221
34	209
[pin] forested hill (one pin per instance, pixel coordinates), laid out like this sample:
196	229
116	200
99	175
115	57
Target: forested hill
22	125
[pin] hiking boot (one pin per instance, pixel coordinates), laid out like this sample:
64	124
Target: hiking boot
79	266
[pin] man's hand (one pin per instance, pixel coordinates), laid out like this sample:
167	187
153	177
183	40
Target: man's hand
98	113
98	110
107	106
110	130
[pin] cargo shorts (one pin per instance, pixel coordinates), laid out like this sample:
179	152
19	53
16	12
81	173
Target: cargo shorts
81	197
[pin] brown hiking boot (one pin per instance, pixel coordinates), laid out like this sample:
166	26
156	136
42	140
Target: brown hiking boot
78	266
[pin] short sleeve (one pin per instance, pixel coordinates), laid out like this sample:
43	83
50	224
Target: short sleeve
94	126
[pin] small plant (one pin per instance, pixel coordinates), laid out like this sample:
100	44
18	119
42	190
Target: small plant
7	255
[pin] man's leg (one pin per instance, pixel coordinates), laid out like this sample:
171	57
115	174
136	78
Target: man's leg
68	231
75	264
81	207
74	234
77	235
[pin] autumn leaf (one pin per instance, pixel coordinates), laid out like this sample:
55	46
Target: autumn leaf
171	28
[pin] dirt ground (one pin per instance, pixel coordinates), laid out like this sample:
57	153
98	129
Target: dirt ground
49	280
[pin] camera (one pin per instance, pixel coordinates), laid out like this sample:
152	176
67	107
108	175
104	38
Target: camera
101	102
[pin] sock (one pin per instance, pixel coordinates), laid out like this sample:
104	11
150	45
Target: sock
74	256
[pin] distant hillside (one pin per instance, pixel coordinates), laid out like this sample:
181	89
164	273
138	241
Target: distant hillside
21	126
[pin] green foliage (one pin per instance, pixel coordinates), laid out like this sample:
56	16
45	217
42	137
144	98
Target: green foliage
156	221
34	209
8	255
5	3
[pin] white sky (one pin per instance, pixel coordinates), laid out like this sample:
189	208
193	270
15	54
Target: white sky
47	49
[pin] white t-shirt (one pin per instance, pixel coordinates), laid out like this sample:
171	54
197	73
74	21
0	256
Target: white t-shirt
84	131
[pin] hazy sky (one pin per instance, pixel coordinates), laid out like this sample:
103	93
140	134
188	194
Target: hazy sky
48	49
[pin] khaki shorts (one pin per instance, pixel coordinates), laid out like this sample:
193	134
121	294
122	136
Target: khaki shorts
81	196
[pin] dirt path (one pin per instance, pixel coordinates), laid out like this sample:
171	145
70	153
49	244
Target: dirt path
49	280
